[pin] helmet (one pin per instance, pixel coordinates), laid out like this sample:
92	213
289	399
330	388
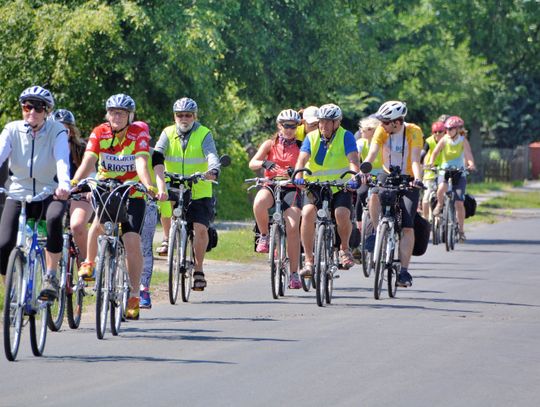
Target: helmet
37	93
288	115
329	111
120	101
310	114
454	121
64	116
391	110
185	105
437	126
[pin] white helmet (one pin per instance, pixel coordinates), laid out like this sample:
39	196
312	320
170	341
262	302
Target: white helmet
185	105
120	101
329	111
37	93
391	110
288	115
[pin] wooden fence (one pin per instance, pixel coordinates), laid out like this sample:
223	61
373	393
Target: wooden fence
504	164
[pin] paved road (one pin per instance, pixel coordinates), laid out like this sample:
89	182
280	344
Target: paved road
466	333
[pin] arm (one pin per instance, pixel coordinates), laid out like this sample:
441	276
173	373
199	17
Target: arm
354	163
437	151
424	152
415	162
61	156
87	166
468	155
210	152
5	145
260	156
301	162
141	165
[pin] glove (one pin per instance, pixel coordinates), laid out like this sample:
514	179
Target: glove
418	184
299	181
352	184
269	165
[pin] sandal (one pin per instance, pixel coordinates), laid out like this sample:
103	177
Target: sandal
163	250
199	282
307	271
346	259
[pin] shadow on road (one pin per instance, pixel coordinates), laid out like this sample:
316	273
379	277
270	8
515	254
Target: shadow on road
501	242
117	358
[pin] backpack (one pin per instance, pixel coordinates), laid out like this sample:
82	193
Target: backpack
470	206
421	235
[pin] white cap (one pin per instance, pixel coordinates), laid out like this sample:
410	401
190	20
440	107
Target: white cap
310	114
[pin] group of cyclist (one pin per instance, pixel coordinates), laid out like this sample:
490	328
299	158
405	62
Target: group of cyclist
46	153
384	140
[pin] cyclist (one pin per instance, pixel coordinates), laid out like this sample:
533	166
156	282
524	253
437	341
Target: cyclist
122	150
80	211
184	148
400	143
277	156
455	151
430	177
310	122
38	154
327	152
367	129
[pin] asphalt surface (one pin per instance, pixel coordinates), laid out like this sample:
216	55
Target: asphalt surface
466	333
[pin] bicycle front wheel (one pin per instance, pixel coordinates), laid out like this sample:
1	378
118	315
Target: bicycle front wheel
38	320
103	275
74	293
57	307
118	277
13	304
448	228
275	256
380	259
174	261
187	266
367	230
321	264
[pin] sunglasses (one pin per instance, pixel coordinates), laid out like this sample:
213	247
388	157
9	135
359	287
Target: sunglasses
38	108
386	122
184	115
289	126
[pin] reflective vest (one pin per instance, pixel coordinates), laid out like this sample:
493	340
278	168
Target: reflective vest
377	164
335	162
188	161
453	152
432	143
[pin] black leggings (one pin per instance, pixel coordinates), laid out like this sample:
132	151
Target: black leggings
51	210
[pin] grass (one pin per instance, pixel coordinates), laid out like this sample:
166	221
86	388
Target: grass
235	245
515	200
483	187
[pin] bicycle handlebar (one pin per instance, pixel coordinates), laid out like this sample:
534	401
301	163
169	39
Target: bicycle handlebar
28	198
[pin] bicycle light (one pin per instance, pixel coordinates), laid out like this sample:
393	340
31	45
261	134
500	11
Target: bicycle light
277	216
321	213
177	212
109	228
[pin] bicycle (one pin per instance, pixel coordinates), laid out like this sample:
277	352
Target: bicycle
71	288
24	277
326	253
180	255
367	230
277	253
112	289
387	240
448	219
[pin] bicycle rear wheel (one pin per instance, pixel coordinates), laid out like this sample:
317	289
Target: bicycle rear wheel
367	230
188	265
57	307
448	229
435	230
103	283
38	320
321	264
13	304
392	279
329	281
174	262
380	259
75	294
275	256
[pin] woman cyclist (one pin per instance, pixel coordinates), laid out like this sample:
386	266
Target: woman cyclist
39	158
80	211
456	152
122	149
278	156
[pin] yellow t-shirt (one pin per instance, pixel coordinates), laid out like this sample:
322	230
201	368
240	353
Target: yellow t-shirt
392	146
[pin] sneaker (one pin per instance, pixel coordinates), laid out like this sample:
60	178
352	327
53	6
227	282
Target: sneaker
86	271
163	250
263	244
295	282
132	311
307	271
462	237
145	300
49	288
404	279
346	259
370	243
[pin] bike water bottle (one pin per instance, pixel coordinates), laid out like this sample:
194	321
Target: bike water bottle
42	228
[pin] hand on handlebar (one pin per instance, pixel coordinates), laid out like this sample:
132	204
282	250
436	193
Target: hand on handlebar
417	183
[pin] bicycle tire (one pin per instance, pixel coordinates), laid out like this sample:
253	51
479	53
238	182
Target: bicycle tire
117	290
367	229
173	261
283	272
187	261
38	320
306	281
448	225
273	255
321	263
435	226
57	307
13	304
102	287
329	280
380	259
75	294
392	280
